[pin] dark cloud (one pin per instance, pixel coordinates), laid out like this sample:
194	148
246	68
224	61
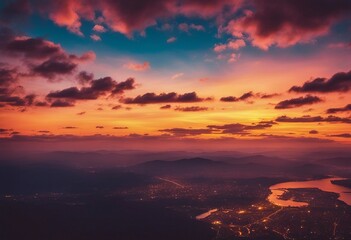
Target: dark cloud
128	84
191	109
97	88
298	102
42	57
347	108
6	35
74	93
11	93
7	76
53	67
313	132
81	113
246	96
69	127
339	82
235	128
150	98
229	99
120	128
5	131
3	90
61	103
265	95
342	135
29	99
14	10
308	118
166	106
287	22
243	97
187	131
116	107
41	104
238	128
37	48
43	131
99	127
103	84
84	77
271	122
16	100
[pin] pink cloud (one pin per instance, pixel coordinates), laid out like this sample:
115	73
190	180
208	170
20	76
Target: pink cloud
236	44
177	75
171	40
219	48
138	66
99	28
88	56
95	37
232	44
68	13
233	57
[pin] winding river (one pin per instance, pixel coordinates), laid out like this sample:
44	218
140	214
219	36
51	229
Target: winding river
323	184
206	214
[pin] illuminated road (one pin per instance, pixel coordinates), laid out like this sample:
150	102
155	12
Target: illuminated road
171	181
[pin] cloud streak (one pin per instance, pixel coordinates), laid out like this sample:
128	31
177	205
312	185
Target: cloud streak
298	102
347	108
243	97
310	119
339	82
172	97
191	109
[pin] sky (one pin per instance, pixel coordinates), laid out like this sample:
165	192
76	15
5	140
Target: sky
169	74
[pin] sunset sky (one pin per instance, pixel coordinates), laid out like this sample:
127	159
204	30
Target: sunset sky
134	72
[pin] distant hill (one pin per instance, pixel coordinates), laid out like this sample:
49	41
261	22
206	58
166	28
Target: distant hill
182	167
43	178
194	167
188	162
262	159
309	170
338	161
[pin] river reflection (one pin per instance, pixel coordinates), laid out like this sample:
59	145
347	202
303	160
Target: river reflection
206	214
322	184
